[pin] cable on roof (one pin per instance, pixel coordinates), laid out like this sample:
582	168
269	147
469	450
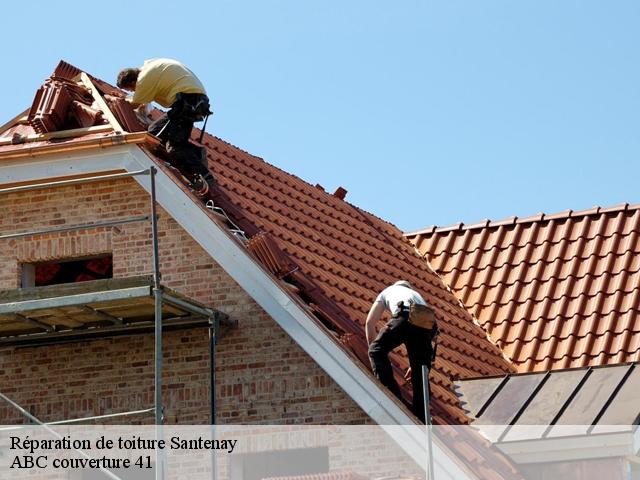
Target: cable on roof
236	230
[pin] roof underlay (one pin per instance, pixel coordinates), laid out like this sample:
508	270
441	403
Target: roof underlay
554	291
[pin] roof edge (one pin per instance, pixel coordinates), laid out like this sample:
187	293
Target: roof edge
513	220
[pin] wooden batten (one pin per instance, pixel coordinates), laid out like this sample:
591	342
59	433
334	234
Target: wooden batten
101	103
72	133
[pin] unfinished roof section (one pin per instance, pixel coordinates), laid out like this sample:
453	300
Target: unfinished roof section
535	406
339	257
71	110
554	291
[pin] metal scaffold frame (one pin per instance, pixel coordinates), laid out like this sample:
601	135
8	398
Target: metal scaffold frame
213	317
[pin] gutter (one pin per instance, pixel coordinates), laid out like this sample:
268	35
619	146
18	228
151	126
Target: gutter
80	145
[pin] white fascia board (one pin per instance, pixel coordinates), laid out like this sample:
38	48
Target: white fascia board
264	289
571	448
60	165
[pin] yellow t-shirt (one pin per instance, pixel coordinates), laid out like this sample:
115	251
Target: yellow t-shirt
161	79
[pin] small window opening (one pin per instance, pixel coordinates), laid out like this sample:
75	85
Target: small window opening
67	271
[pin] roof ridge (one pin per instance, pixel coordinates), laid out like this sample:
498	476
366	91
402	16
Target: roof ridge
513	220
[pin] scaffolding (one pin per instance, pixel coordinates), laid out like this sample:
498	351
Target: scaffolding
99	308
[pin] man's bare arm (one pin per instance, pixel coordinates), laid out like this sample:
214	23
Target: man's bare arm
128	99
375	313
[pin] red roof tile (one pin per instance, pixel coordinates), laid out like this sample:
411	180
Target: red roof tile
554	291
126	115
50	107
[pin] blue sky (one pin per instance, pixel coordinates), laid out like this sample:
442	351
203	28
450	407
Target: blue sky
427	112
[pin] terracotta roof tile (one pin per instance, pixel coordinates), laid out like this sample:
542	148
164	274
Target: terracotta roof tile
50	107
65	71
554	291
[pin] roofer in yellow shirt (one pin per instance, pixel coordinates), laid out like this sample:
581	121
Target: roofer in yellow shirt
172	85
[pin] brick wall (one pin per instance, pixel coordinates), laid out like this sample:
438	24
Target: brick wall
262	375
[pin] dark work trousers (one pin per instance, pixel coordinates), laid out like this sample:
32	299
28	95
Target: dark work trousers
174	129
417	340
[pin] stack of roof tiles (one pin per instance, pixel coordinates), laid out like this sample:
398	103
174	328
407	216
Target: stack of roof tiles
62	103
126	115
50	106
554	291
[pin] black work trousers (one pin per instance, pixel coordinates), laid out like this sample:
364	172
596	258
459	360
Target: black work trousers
417	340
174	129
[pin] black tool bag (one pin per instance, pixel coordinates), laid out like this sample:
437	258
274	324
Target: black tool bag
193	107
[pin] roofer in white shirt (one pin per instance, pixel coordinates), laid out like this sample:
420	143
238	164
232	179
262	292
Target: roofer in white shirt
398	299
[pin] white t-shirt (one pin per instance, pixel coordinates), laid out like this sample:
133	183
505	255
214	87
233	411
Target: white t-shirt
394	294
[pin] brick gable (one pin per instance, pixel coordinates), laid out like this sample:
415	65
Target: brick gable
263	376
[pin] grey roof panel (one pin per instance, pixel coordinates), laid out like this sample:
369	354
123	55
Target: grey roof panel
589	401
545	406
475	393
554	404
505	406
624	407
